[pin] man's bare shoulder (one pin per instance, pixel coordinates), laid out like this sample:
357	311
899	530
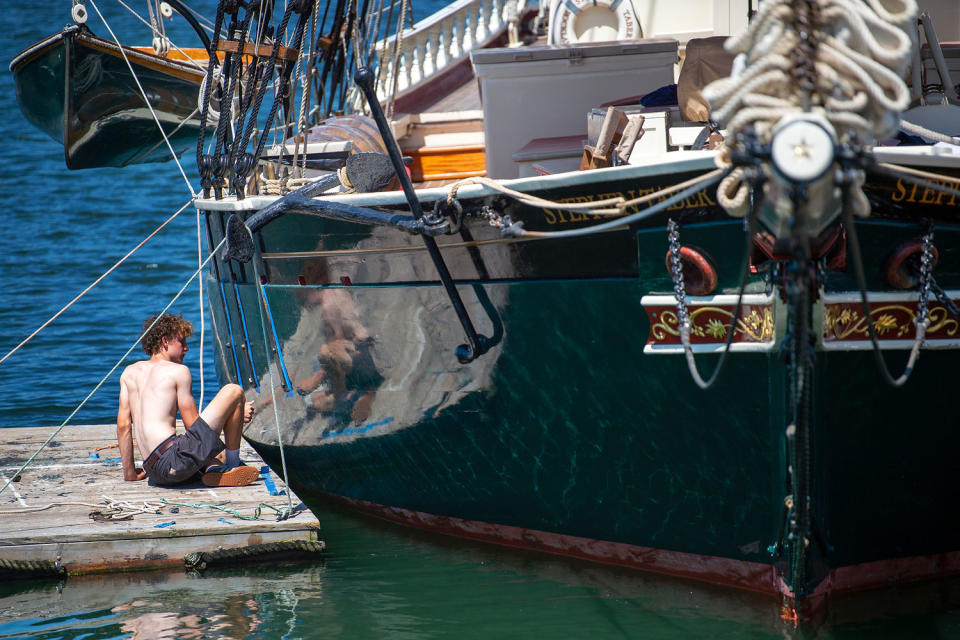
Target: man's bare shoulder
173	370
133	371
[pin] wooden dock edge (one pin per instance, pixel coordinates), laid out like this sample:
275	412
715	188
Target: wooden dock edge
49	524
141	553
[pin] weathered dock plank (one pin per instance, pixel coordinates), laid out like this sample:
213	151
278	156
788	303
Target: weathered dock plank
59	511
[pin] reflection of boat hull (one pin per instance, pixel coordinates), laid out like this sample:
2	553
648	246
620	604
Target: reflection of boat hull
567	437
78	90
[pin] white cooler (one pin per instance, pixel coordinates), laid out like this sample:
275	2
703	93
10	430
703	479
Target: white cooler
547	91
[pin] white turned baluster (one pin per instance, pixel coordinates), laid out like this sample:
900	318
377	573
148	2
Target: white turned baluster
385	80
482	31
469	30
416	61
429	54
456	38
440	49
406	68
496	15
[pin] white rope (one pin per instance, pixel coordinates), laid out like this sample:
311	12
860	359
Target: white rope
114	368
916	129
145	99
187	58
859	56
203	324
95	282
273	392
597	207
113	509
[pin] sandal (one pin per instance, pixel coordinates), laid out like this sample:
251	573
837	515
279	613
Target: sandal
235	477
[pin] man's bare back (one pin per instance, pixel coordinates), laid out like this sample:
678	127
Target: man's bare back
153	391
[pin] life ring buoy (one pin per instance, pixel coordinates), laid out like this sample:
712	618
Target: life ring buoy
902	268
593	21
699	275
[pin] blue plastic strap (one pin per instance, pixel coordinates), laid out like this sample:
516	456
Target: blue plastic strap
246	337
268	482
276	341
233	342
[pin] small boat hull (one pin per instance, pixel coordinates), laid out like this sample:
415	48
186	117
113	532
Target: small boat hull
78	89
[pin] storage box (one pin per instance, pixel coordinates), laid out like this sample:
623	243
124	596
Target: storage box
547	91
549	155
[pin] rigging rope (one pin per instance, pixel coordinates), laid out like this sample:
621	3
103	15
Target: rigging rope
145	99
698	184
95	282
186	57
115	367
273	391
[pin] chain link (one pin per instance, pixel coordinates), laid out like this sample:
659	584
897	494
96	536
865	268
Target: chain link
676	272
944	299
922	319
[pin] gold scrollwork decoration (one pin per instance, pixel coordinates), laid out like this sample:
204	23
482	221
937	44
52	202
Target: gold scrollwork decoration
841	322
755	327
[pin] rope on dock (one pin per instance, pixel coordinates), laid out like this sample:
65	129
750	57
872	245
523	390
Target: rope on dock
200	560
112	509
283	513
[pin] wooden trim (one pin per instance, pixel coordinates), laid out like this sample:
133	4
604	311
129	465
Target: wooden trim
447	163
260	50
173	68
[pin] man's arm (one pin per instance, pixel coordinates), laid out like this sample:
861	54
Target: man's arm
186	405
125	436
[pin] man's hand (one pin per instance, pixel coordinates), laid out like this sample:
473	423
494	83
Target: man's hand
133	476
247	412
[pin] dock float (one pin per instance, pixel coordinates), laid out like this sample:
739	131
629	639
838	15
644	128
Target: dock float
71	512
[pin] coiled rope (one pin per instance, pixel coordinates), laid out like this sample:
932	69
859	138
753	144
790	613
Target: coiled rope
843	59
858	58
114	368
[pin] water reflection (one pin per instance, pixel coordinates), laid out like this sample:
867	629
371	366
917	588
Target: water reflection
346	379
384	581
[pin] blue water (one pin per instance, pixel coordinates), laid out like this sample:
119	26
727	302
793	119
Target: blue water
60	230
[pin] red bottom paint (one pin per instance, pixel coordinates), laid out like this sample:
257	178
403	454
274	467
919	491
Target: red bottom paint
740	574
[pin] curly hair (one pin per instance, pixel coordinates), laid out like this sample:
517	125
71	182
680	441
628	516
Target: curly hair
167	326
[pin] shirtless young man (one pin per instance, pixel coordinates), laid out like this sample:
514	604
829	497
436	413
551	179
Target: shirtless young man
151	393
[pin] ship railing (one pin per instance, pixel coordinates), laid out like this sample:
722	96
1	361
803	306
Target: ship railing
434	45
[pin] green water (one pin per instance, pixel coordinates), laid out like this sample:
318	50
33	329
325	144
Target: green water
383	581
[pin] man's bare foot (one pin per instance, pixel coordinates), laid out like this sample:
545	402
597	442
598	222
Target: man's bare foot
236	477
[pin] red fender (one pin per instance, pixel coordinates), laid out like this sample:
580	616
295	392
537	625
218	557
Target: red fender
902	267
699	275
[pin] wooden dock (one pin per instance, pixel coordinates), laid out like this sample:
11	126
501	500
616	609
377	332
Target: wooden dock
71	510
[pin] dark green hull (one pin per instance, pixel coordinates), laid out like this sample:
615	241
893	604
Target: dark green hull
78	89
569	436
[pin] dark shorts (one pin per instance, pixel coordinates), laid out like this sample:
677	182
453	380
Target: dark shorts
185	458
